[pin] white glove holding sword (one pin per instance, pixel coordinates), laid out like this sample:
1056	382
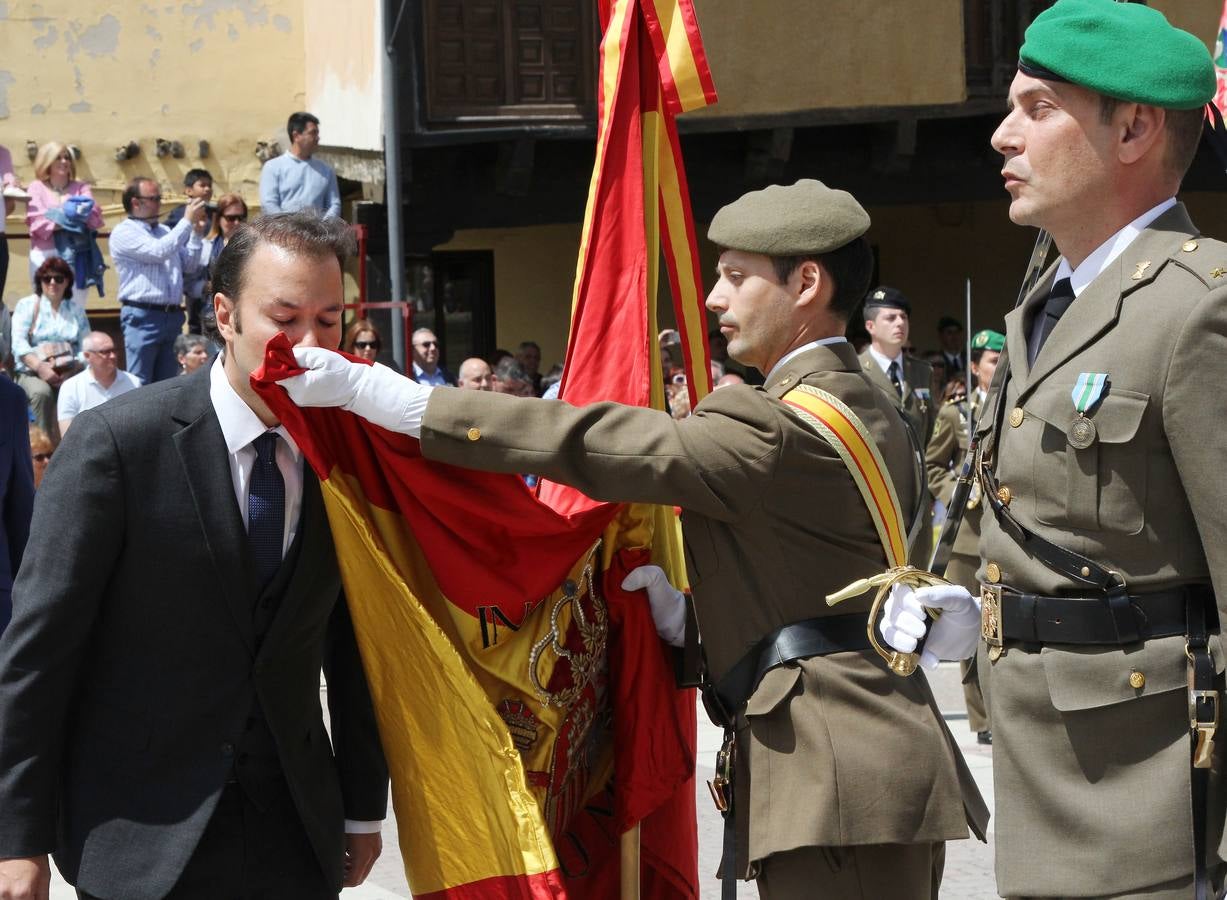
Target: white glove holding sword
954	635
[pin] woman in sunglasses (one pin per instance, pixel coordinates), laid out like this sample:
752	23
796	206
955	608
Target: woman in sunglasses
47	331
363	341
231	213
55	179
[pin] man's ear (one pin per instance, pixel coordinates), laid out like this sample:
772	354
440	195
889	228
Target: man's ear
813	280
1140	129
226	315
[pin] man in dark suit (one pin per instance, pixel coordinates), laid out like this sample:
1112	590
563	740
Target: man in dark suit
159	683
16	488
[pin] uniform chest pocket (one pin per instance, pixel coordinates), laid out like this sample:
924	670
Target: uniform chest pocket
1101	487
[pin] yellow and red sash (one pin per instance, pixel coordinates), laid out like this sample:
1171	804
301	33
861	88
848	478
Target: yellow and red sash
840	427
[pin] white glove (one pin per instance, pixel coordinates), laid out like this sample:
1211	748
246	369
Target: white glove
376	393
667	602
954	635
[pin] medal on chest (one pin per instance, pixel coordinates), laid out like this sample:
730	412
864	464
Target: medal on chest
1086	393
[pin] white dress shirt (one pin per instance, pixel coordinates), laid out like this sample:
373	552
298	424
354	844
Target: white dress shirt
1107	252
240	426
884	362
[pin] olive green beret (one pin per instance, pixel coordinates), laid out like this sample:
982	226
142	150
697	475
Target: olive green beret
988	340
1122	50
794	220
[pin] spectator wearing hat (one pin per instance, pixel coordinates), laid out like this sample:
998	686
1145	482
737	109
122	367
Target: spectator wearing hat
950	338
907	382
837	758
1103	566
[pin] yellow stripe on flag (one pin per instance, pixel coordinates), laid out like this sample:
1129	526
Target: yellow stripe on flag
482	820
680	55
844	431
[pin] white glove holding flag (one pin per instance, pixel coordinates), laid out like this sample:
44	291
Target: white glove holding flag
955	635
376	393
667	602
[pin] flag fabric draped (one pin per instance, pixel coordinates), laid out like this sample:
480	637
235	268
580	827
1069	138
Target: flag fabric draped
525	704
1220	63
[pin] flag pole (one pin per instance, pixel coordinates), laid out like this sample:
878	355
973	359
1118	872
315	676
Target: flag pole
967	351
630	864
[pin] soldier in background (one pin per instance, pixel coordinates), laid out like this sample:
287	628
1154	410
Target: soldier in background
947	450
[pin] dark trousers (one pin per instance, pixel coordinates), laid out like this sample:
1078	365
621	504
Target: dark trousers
249	853
4	262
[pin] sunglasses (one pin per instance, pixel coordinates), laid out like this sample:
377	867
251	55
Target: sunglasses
155	198
41	457
241	217
53	279
366	345
425	344
110	351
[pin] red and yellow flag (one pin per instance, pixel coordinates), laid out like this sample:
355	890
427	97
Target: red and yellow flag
525	704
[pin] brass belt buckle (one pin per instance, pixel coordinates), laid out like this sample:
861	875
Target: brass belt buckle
990	619
721	785
1204	751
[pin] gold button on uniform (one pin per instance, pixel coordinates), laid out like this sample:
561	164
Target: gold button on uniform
1137	680
474	434
1005	495
1189	246
1016	416
993	572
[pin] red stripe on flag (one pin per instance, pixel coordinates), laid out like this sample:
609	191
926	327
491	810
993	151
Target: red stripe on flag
546	886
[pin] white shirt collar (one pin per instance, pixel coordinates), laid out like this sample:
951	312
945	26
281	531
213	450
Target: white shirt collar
1107	252
792	354
240	425
884	361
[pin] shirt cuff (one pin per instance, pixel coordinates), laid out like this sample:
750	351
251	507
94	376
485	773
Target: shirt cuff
415	410
353	827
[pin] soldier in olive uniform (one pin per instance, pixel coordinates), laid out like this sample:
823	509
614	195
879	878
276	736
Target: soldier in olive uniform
847	781
1102	454
943	459
906	381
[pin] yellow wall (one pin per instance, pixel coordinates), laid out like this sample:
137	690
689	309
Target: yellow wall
97	74
790	55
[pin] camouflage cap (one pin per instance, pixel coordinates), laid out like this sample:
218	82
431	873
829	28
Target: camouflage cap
794	220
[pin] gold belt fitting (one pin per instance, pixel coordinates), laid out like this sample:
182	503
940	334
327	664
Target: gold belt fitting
722	783
900	663
1204	751
990	619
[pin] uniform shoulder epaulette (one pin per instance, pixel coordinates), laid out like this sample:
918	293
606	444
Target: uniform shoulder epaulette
1205	259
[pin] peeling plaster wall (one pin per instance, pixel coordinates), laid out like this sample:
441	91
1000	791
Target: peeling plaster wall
344	86
98	74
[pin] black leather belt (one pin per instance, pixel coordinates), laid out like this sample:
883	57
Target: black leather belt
1033	619
811	637
156	307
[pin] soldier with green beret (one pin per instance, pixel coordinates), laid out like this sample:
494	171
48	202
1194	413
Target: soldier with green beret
907	381
1104	555
945	454
846	782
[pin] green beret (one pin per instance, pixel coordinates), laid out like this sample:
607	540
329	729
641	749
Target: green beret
1122	50
988	340
803	218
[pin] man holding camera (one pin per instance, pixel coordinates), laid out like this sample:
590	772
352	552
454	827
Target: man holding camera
151	261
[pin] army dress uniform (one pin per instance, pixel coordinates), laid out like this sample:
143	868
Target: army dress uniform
943	459
835	750
1093	740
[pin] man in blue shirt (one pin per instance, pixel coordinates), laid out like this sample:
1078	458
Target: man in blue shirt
151	261
294	180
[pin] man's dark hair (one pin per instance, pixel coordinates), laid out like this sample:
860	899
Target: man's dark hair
850	267
298	123
303	233
510	370
1184	128
195	175
133	190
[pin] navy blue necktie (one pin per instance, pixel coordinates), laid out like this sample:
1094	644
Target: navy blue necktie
896	378
1060	298
266	508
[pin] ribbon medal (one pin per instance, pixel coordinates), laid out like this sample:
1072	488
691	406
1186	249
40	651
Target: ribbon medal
1086	393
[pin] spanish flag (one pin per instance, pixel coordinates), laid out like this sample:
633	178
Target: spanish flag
525	704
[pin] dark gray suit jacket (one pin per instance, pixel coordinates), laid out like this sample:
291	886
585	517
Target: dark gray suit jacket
131	664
